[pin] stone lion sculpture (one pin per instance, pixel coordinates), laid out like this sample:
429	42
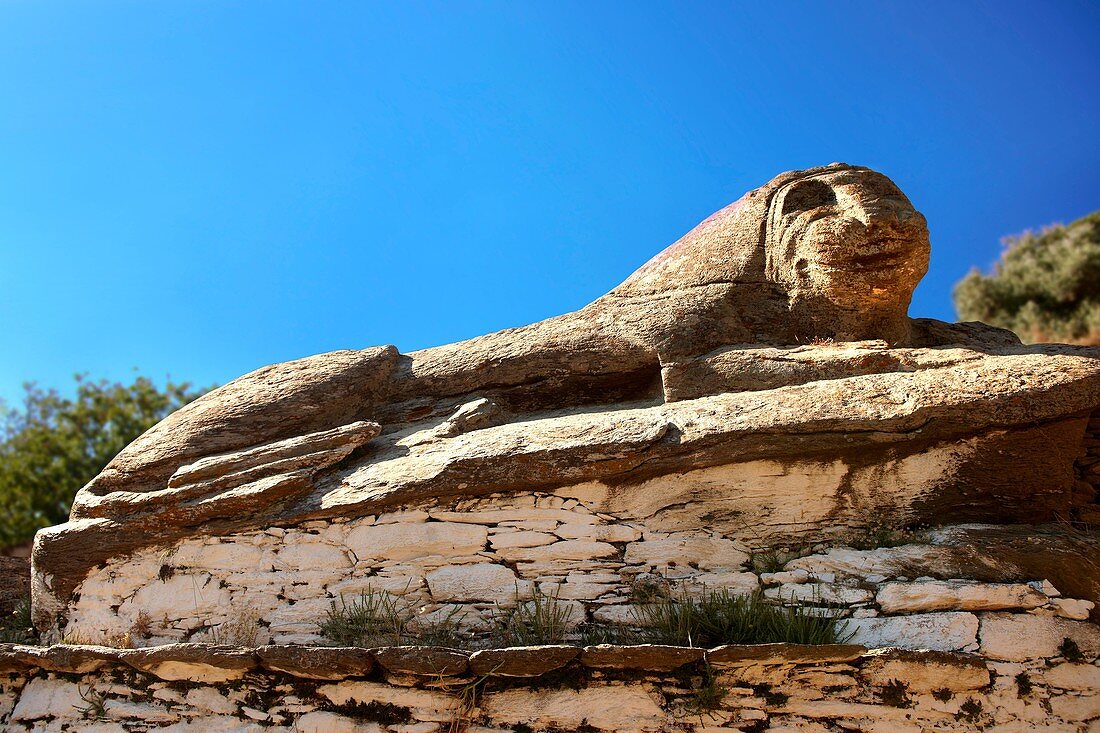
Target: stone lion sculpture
614	391
827	253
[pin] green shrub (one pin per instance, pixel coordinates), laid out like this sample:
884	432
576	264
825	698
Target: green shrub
1046	286
52	445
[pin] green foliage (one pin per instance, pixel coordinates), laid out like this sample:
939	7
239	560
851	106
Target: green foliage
373	619
720	617
1046	287
541	620
53	445
377	618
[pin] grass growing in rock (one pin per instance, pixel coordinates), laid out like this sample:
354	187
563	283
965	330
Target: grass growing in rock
381	619
720	617
541	620
16	627
373	619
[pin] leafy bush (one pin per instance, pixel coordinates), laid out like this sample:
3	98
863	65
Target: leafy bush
720	617
53	445
1046	287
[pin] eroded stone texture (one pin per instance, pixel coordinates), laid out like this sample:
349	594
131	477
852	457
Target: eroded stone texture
777	687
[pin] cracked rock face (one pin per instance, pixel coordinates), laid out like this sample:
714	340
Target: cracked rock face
765	355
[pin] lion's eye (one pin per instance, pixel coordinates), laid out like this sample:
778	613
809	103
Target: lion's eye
808	195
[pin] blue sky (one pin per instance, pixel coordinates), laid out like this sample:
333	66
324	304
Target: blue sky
201	188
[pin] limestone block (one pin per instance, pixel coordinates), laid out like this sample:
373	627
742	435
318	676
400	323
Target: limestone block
45	698
819	593
312	556
427	661
888	561
611	708
575	590
735	583
1072	608
947	632
1074	708
404	541
192	662
210	700
522	661
466	617
325	722
411	516
645	657
303	616
783	654
218	724
925	671
598	532
785	577
708	553
180	596
131	710
497	516
425	704
624	614
954	595
505	540
398	585
226	557
482	582
1019	637
572	611
563	550
318	663
1073	676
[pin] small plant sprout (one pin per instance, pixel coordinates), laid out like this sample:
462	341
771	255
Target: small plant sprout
95	703
142	627
242	628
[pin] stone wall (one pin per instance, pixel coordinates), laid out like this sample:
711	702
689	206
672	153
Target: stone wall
468	562
190	688
948	629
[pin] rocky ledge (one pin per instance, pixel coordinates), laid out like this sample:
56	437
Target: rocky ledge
191	688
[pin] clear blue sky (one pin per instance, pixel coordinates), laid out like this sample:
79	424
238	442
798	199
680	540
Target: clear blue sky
202	188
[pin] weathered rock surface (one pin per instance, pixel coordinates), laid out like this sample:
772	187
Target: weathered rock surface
1015	637
647	657
957	596
316	663
531	661
946	632
424	661
925	671
760	372
735	654
191	662
15	583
